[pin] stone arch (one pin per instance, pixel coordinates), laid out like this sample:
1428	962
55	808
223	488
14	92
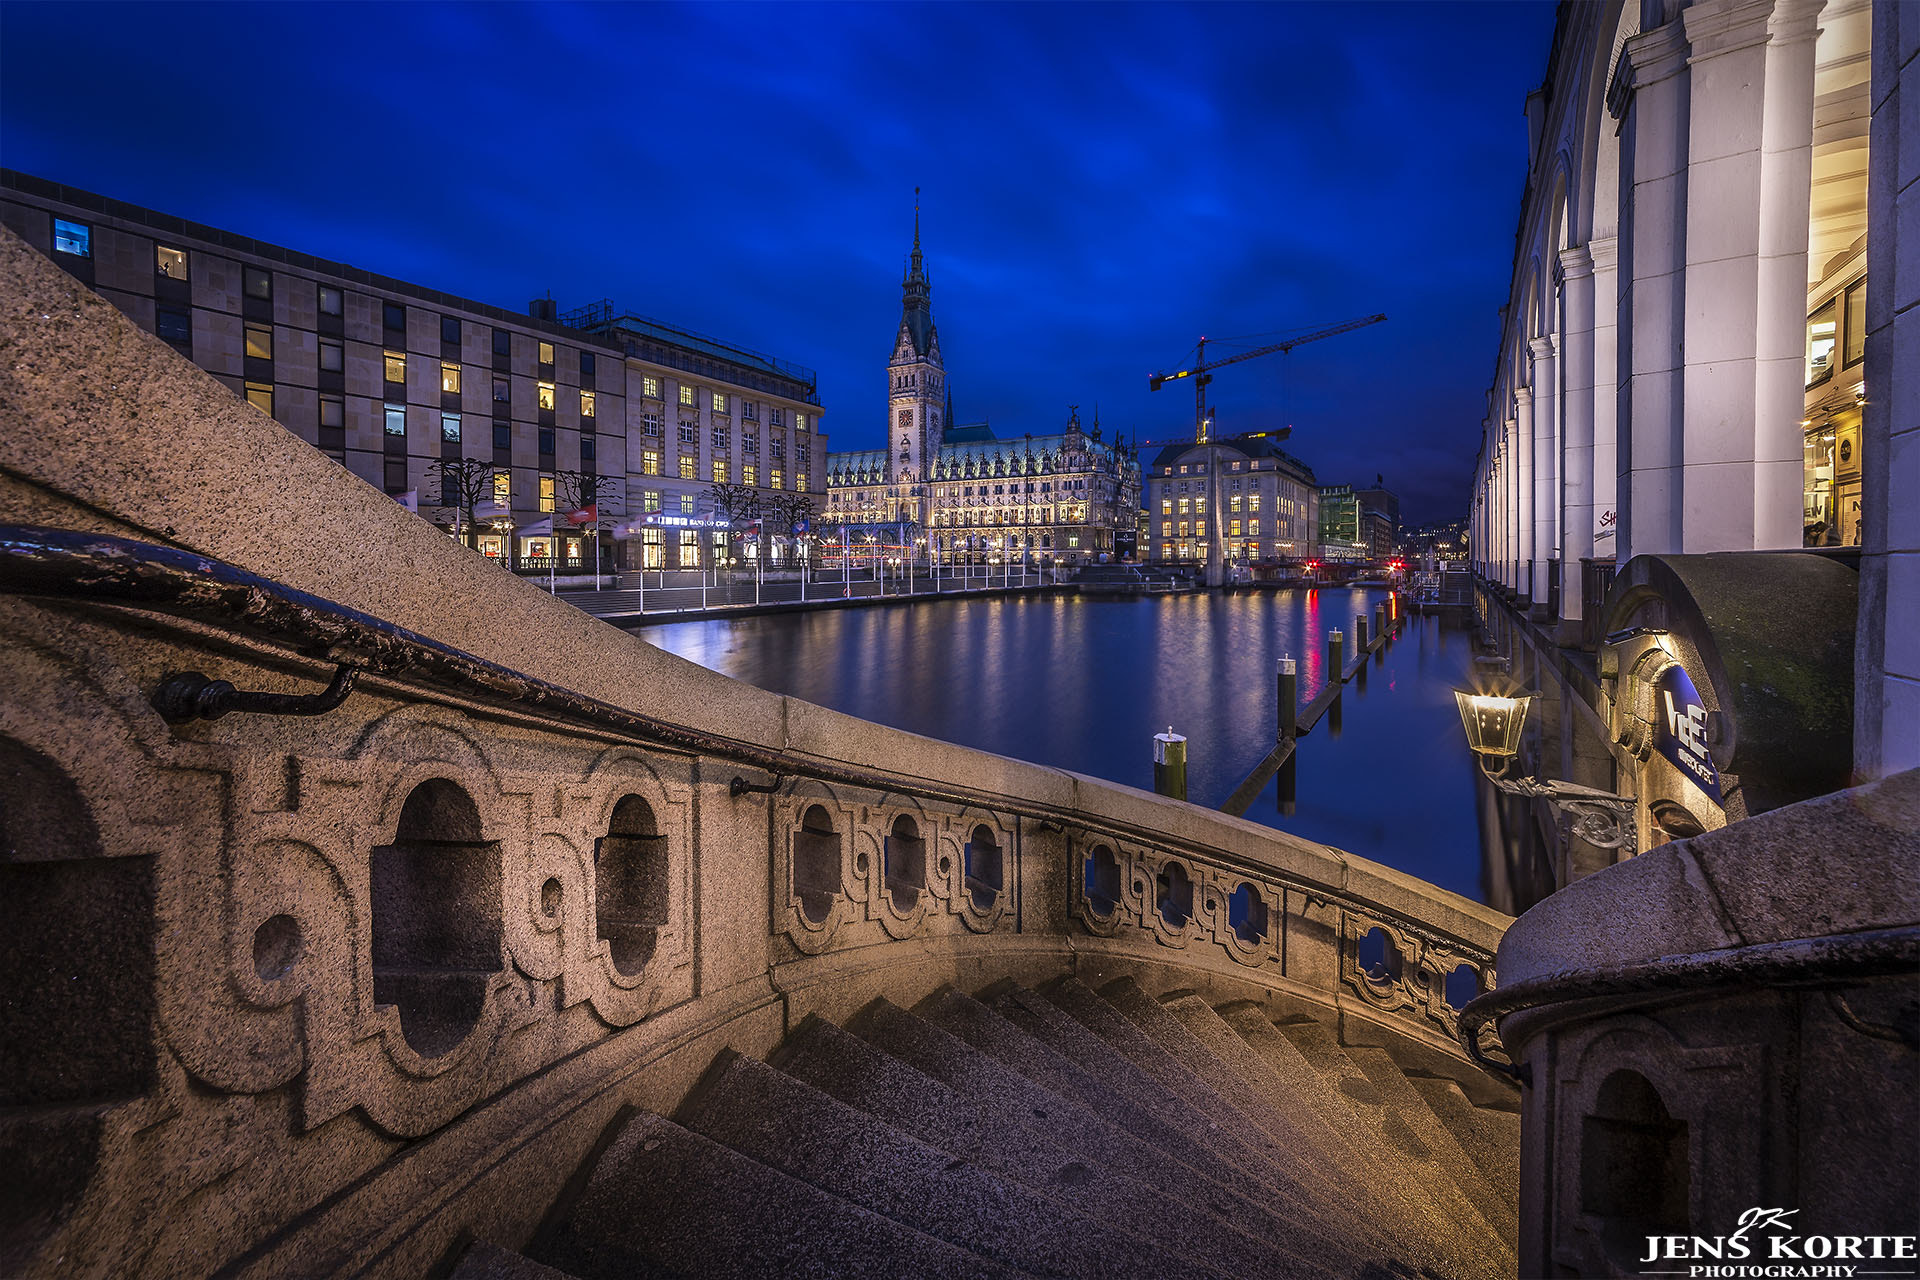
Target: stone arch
436	937
1634	1175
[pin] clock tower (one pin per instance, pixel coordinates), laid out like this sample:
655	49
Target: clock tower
916	378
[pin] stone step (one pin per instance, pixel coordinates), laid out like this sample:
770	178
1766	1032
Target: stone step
1400	1127
1488	1134
787	1124
1417	1232
1010	1098
1154	1223
1502	1212
1320	1205
483	1261
664	1198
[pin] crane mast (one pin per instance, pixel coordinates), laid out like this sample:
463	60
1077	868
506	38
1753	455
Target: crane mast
1202	375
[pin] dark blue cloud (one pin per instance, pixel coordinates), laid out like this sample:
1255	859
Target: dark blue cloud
1102	184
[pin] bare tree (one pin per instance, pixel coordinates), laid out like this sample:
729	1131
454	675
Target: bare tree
581	489
464	484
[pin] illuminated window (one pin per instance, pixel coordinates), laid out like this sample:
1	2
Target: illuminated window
333	357
689	549
1233	503
650	500
650	462
396	367
75	238
1200	506
1166	528
546	493
546	353
775	480
1166	506
260	396
450	378
719	470
586	404
1186	506
650	388
1253	500
719	402
1184	529
171	263
257	282
450	427
800	482
1253	528
546	395
799	420
396	420
686	395
1233	528
329	301
686	504
750	475
503	488
259	342
1822	333
687	466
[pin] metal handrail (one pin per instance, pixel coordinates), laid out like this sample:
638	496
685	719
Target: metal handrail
1795	962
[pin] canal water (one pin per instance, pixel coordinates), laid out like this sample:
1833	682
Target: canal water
1084	684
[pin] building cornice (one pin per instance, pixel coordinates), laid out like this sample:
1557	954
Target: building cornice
1647	59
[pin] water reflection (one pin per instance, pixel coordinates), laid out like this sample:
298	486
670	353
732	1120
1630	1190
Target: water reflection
1085	684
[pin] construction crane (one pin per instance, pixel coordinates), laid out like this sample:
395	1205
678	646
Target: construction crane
1202	374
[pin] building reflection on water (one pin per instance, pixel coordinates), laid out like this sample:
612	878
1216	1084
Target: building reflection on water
1084	685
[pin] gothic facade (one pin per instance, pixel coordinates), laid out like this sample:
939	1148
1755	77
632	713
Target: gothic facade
961	494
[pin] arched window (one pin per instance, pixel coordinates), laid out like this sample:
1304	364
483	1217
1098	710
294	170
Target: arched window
436	917
630	889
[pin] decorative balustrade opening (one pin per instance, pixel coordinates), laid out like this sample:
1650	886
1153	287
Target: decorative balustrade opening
816	864
436	894
1247	914
1103	882
906	863
631	885
1174	895
984	868
1379	958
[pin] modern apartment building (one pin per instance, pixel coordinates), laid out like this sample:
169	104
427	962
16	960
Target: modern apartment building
497	426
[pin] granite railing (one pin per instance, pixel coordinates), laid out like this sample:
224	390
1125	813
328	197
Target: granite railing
322	980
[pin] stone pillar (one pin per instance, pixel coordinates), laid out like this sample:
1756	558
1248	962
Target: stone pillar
1649	98
1576	456
1601	536
1886	659
1749	177
1546	470
1529	586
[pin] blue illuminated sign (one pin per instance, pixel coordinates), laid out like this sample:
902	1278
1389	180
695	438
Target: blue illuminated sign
1683	730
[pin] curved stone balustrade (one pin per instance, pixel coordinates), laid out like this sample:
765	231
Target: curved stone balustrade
326	994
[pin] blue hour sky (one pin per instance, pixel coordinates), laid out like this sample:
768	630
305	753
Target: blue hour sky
1101	184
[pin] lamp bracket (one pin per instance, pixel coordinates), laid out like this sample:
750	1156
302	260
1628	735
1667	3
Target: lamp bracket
1601	818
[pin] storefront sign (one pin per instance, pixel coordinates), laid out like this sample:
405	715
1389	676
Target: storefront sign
1683	730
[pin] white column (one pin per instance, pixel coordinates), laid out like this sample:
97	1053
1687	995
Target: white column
1576	478
1749	158
1606	408
1532	585
1649	97
1546	467
1515	577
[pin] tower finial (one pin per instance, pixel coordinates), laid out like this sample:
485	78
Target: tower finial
916	219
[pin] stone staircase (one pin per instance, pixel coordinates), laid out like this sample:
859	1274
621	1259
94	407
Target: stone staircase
1059	1132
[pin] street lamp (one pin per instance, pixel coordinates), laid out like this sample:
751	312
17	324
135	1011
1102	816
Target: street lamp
1494	723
